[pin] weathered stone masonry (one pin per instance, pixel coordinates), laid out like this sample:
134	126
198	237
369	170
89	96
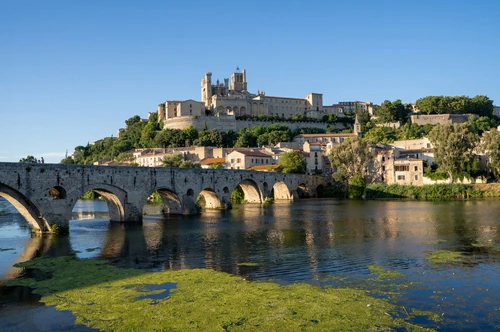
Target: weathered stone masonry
45	194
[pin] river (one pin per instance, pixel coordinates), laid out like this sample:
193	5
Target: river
321	242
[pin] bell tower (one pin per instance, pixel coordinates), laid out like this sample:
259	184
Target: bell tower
206	89
239	80
357	127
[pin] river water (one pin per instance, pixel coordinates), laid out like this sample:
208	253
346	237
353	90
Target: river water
322	242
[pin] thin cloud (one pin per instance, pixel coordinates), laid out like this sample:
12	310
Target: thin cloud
53	154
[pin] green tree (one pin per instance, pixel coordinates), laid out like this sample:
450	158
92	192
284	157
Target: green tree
67	161
350	158
209	138
245	139
28	159
191	134
491	147
217	166
172	161
292	162
133	120
481	124
412	131
170	138
391	111
149	131
379	135
453	147
188	164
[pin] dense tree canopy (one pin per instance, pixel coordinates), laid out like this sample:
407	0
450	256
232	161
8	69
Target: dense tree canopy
491	147
392	111
480	105
453	147
292	162
350	158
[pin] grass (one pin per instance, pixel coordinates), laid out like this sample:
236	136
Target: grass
112	299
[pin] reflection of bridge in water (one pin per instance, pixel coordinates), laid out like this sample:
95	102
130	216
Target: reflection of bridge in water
45	194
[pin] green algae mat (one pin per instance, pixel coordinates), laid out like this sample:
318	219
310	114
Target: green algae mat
113	299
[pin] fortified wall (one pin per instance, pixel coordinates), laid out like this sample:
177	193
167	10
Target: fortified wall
433	119
226	123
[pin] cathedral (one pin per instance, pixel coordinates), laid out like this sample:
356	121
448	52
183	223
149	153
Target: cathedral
233	98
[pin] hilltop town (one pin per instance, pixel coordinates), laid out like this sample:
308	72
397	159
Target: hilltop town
234	128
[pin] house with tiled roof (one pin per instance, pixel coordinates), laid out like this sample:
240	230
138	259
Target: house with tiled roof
209	162
265	168
246	158
322	138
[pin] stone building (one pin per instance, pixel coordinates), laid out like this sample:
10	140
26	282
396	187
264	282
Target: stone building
322	138
233	98
351	106
390	167
246	158
177	108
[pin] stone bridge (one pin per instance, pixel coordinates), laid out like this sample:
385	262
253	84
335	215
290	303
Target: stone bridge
45	194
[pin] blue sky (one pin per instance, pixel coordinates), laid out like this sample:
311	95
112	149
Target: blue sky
73	71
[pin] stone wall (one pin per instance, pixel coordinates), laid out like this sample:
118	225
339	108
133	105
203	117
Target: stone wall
226	123
433	119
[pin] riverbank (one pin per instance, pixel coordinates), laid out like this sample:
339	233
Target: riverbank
105	297
426	192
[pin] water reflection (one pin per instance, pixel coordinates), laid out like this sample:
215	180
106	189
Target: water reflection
307	241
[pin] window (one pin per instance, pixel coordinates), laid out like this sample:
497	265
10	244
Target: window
416	177
401	177
383	168
383	158
401	168
416	169
232	161
252	160
238	160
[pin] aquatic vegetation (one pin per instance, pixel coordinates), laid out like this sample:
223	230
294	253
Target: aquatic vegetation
487	246
445	257
108	298
6	249
247	264
383	273
59	229
438	241
92	249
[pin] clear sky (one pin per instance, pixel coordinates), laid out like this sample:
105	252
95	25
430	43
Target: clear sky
73	71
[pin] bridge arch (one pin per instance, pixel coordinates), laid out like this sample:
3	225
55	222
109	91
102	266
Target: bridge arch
170	200
208	199
115	198
281	191
57	192
25	207
302	190
251	191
